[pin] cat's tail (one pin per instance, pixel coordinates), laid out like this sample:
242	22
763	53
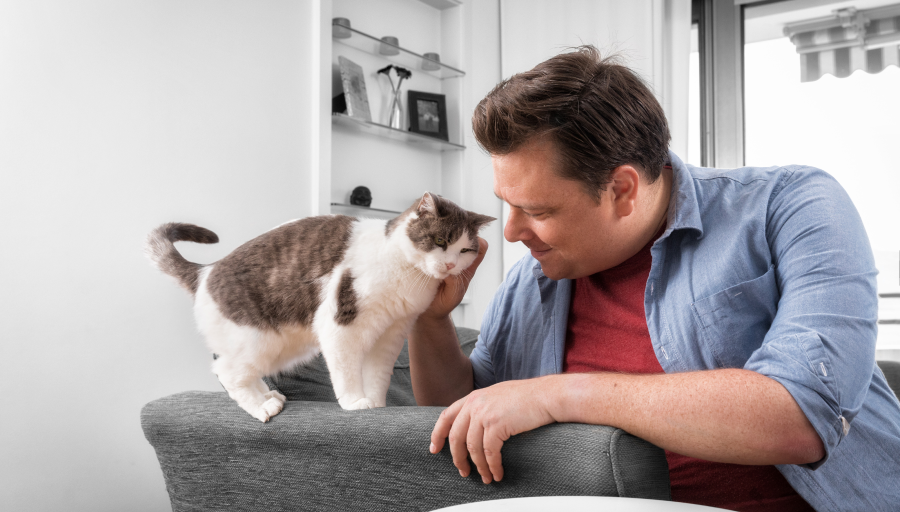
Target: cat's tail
160	248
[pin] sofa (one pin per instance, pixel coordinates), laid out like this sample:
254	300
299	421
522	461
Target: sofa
316	456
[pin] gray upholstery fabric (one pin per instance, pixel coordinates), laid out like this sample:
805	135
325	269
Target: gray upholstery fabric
891	371
316	456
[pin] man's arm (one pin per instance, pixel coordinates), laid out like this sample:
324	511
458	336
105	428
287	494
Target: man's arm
441	374
731	415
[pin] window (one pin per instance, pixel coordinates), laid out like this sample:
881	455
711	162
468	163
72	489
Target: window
825	96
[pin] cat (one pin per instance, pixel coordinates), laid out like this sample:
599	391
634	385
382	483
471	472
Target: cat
348	288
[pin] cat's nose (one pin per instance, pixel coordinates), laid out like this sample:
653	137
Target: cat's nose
450	266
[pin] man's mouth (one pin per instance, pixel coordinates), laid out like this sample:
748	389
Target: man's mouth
537	254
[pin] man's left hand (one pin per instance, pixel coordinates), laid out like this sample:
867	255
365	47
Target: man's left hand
478	424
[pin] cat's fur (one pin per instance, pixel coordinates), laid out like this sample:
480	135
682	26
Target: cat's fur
346	287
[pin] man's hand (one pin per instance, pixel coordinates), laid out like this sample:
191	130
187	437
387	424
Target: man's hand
451	290
479	424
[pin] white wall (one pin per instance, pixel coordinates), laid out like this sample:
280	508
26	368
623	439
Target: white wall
115	117
474	186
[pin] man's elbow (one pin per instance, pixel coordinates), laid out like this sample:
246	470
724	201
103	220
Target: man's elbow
806	448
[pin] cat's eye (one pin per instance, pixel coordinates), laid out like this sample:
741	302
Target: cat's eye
465	250
439	240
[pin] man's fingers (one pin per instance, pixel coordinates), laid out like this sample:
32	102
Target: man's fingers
458	448
492	447
443	425
475	447
482	250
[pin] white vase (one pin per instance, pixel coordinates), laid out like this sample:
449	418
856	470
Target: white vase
396	113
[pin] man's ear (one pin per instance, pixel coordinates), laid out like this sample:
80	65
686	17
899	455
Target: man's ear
427	205
624	187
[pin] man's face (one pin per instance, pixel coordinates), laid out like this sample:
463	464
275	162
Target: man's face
568	232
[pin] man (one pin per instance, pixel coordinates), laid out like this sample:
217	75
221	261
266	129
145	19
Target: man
728	317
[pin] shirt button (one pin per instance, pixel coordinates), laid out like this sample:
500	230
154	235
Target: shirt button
845	424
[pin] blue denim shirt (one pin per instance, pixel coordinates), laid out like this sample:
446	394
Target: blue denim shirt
766	269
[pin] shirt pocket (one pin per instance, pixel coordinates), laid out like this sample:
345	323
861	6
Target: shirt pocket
734	322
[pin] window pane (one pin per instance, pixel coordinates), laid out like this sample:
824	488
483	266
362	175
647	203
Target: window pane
694	133
849	127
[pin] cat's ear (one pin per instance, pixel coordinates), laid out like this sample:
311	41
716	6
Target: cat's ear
427	205
478	221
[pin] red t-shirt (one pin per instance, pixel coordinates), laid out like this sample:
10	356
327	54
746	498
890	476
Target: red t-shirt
607	332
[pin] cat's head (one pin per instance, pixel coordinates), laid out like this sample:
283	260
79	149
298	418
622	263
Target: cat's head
442	238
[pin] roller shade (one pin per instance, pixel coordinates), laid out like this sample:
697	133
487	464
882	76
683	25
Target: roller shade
847	41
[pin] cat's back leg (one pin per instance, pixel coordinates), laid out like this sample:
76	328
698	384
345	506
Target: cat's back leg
245	386
242	359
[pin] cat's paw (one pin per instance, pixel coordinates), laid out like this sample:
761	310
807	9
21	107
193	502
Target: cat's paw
268	409
362	403
276	395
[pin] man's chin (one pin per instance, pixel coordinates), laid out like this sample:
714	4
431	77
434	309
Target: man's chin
552	271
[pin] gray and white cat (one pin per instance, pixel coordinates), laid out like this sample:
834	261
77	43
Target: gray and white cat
346	287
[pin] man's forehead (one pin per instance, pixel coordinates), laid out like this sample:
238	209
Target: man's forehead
528	194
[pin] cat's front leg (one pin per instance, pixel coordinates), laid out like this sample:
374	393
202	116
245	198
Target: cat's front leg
378	365
344	353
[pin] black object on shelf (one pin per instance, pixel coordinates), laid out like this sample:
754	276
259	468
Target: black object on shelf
361	196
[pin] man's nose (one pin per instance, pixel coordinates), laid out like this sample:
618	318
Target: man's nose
515	229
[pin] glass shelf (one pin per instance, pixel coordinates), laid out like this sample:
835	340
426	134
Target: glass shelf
408	59
366	208
393	133
364	212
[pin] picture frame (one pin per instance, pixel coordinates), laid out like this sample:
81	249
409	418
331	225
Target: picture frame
353	81
428	114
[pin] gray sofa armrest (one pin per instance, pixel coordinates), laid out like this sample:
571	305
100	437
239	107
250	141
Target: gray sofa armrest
891	370
316	456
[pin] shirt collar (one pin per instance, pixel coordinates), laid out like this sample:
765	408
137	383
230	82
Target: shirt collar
684	210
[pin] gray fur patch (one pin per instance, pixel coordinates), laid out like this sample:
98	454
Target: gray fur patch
273	280
346	301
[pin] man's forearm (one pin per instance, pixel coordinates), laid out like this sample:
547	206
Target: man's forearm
731	415
440	372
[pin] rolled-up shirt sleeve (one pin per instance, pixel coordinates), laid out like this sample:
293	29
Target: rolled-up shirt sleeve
821	344
482	364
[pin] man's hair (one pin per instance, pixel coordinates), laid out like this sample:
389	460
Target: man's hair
597	112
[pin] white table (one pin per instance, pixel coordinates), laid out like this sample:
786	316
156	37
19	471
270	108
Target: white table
576	504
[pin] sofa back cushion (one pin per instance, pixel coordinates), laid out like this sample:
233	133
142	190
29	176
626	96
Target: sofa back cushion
312	382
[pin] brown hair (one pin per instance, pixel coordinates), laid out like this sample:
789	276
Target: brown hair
599	113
